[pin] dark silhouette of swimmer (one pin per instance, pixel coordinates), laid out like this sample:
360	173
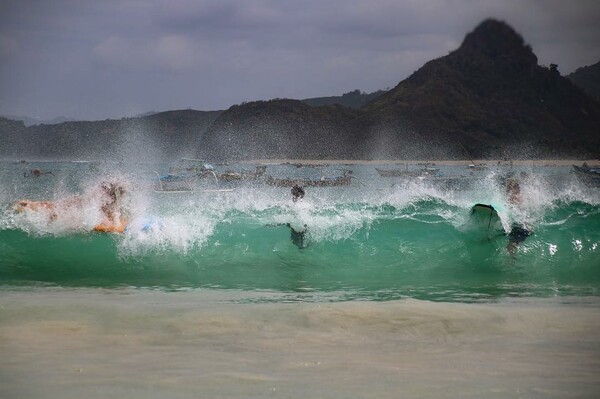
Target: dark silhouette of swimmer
518	232
298	237
297	193
36	173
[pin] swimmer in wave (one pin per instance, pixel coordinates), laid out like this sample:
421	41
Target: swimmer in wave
108	195
518	231
36	173
297	193
297	233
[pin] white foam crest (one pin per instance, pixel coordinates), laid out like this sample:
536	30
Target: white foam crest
539	195
39	223
401	195
179	233
323	223
576	191
339	226
410	192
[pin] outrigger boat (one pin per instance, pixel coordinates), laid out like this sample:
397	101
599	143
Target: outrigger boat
244	175
344	180
173	183
184	183
428	171
181	177
190	166
586	175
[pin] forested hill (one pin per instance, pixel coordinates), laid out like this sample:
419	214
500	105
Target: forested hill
352	99
284	129
488	98
492	97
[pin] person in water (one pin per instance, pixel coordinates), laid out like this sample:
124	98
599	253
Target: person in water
36	173
298	236
518	232
111	208
297	193
109	194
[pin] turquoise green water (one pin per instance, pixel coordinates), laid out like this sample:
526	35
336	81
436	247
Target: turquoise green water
380	238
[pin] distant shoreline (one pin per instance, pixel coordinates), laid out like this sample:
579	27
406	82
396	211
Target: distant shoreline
318	162
488	162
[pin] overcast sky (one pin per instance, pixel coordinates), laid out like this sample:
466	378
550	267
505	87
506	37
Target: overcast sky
115	58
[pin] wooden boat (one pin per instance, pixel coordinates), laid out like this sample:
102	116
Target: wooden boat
181	182
472	166
190	166
586	175
343	180
407	173
230	175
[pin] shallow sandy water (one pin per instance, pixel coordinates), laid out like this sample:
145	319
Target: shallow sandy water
74	343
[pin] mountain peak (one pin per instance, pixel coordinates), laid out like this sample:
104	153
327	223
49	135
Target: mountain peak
497	40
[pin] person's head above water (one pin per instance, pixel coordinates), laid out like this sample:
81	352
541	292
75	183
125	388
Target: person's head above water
512	184
112	190
513	188
297	193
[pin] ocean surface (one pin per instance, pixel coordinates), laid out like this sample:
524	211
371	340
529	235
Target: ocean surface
394	290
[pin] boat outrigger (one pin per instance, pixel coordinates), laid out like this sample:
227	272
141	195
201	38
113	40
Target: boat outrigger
427	171
586	175
230	175
343	180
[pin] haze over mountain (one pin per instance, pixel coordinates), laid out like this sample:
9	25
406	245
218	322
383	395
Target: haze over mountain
488	98
157	137
29	121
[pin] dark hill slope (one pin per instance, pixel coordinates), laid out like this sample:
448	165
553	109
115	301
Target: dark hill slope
588	78
491	97
283	129
12	137
162	136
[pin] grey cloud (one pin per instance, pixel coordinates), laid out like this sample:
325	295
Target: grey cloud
167	53
7	45
111	58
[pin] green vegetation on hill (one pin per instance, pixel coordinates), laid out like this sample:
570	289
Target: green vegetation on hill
491	97
352	99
